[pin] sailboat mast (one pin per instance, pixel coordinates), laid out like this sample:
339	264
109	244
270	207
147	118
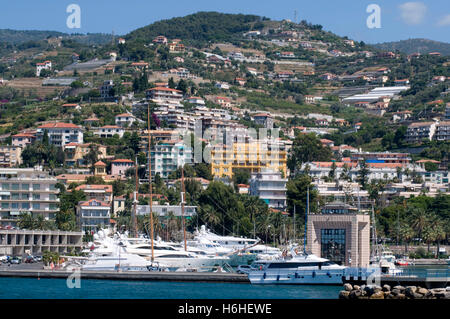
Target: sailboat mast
306	219
150	180
183	192
136	192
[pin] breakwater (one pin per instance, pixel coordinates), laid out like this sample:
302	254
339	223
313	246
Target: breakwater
397	292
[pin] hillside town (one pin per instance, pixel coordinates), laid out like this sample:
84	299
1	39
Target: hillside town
247	135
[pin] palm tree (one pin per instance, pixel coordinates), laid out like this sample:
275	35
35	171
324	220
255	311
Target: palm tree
406	233
438	227
419	218
428	236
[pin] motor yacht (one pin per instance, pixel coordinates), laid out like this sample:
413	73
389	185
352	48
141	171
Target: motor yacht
296	269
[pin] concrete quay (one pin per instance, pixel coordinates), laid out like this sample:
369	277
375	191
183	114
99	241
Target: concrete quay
131	275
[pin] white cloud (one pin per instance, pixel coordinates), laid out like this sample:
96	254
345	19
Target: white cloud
444	21
412	12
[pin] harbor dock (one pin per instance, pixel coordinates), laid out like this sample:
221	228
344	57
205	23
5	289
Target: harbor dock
131	275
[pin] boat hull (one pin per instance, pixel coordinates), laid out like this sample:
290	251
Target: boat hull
318	277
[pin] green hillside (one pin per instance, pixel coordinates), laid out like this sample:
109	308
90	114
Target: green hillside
198	27
415	45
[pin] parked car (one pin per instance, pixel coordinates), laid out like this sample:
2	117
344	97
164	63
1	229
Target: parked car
4	259
30	260
15	260
38	258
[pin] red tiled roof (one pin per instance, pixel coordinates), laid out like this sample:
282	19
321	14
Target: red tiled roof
110	126
92	201
59	125
163	89
107	188
125	114
23	135
122	160
99	163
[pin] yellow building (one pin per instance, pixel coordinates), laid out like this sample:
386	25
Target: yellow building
253	156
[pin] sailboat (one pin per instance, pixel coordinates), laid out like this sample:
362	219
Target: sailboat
380	257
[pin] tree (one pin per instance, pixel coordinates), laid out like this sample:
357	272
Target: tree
241	176
296	194
182	86
363	174
307	148
406	234
419	219
171	83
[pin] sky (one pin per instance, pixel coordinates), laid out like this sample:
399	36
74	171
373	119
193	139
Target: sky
399	19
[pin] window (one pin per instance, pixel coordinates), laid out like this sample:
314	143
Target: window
36	206
25	206
36	186
333	245
36	196
5	186
24	196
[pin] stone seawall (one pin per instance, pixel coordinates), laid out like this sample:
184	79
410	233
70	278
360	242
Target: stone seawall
397	292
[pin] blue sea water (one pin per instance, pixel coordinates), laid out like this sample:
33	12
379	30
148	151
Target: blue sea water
44	288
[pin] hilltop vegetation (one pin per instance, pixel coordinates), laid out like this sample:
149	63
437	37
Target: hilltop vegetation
17	37
415	45
200	27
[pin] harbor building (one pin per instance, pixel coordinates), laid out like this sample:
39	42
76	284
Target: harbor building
19	242
270	186
27	190
340	234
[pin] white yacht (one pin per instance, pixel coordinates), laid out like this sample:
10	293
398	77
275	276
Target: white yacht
122	262
264	252
238	247
174	258
386	262
306	269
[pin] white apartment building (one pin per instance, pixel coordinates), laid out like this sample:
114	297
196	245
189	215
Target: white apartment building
46	65
60	134
27	190
164	94
92	214
377	171
167	156
165	210
270	186
343	191
109	131
419	131
443	131
105	89
125	119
